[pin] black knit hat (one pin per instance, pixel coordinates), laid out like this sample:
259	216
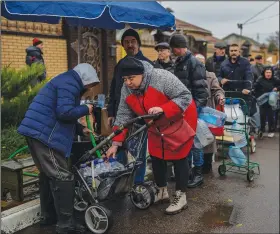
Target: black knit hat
178	41
131	32
131	66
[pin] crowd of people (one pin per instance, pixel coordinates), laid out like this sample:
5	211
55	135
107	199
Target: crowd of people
176	88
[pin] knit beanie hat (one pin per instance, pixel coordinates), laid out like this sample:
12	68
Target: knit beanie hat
131	66
36	42
178	41
131	32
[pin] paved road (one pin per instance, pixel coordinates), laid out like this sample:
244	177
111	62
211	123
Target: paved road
221	205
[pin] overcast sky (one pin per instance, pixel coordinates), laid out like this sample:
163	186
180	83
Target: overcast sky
221	17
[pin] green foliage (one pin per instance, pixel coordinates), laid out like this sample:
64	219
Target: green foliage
17	92
10	141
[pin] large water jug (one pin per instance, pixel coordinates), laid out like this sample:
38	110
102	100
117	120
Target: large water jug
238	135
203	136
212	116
237	156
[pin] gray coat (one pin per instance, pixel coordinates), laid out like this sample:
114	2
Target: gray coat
215	92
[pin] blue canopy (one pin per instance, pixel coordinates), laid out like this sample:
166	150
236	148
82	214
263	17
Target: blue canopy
103	14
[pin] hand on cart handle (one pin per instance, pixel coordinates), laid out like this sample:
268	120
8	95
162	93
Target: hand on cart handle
246	91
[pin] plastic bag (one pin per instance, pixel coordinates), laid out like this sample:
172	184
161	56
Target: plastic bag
203	135
234	113
237	156
212	116
273	99
238	135
263	99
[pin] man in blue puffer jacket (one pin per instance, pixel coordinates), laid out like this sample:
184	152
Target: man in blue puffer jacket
49	126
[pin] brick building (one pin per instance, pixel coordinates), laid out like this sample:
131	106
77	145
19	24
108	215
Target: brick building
60	47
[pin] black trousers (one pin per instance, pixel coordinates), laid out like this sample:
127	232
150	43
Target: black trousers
266	111
48	161
181	170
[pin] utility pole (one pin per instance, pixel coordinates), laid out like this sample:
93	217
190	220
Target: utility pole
240	26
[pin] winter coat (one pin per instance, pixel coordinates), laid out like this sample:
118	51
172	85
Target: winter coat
264	85
257	70
52	116
166	66
213	64
161	88
215	92
116	86
35	55
241	70
192	74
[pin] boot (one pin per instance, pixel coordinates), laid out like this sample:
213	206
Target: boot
179	203
63	193
161	195
207	165
198	178
48	214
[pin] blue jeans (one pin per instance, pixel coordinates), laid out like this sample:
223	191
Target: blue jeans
197	156
141	171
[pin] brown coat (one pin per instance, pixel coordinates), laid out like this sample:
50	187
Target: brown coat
215	92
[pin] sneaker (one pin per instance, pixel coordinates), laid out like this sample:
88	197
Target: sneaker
162	195
179	203
270	135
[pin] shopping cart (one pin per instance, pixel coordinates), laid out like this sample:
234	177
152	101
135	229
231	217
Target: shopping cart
240	111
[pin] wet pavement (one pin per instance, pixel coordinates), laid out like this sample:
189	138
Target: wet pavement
221	205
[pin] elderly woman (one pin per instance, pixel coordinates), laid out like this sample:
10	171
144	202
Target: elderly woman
148	90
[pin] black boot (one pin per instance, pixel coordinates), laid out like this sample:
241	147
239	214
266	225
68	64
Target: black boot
207	165
63	192
198	178
48	214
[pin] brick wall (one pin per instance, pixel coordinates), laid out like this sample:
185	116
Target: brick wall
13	52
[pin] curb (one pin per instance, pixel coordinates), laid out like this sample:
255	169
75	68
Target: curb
20	217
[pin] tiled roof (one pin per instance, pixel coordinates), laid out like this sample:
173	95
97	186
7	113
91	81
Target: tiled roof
180	24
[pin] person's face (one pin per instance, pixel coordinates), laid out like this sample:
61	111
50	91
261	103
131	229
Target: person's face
259	61
163	54
130	45
220	51
268	74
133	81
176	51
40	46
234	52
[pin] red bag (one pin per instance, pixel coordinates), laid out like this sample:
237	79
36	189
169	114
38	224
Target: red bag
218	131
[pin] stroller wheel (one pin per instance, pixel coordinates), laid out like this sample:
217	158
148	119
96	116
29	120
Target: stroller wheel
98	219
142	196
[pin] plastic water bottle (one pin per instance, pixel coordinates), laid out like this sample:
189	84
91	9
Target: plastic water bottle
102	166
212	116
84	170
239	138
237	156
273	99
115	165
101	100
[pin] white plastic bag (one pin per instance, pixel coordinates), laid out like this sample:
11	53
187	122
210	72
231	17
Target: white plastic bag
203	136
234	113
273	99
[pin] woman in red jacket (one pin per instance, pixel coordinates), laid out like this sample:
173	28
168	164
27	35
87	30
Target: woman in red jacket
148	90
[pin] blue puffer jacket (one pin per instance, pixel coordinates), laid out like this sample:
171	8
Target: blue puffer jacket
52	116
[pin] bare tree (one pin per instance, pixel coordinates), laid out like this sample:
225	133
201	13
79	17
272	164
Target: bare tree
273	41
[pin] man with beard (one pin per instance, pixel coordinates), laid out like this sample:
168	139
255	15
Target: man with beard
213	64
131	43
236	68
164	60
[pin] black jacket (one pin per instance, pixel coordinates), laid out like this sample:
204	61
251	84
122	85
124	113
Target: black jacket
264	85
257	70
213	64
192	74
166	66
116	86
240	71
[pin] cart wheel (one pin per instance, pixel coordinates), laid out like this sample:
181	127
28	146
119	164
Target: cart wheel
253	146
98	219
142	196
222	170
250	175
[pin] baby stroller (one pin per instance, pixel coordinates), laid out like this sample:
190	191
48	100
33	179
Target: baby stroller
112	183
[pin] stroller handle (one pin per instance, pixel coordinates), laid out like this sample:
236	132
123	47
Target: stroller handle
153	117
